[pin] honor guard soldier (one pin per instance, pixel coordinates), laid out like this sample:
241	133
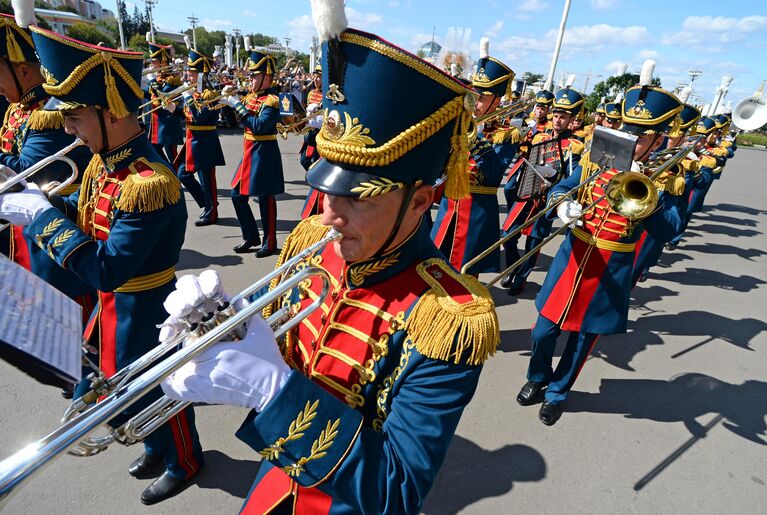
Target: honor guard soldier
677	182
561	150
599	116
121	234
710	157
355	410
588	285
721	151
165	124
30	134
612	119
259	173
308	152
202	149
465	227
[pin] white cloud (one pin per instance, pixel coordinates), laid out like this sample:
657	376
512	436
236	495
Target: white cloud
600	36
713	33
216	24
647	54
493	31
533	6
301	29
250	14
604	5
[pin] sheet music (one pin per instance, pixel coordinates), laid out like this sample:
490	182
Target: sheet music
39	320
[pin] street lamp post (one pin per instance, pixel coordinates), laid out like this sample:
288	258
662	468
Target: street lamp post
560	36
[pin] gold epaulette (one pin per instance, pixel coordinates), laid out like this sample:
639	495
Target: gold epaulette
707	162
727	144
587	167
95	166
581	134
541	136
576	147
510	135
671	183
208	94
719	152
690	165
272	101
41	120
455	320
149	187
308	232
173	81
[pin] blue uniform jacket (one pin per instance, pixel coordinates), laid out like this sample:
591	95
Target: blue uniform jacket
164	127
202	148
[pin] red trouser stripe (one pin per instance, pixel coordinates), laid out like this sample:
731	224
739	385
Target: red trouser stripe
462	223
445	223
182	438
108	334
19	250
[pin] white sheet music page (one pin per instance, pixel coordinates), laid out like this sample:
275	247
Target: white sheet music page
39	320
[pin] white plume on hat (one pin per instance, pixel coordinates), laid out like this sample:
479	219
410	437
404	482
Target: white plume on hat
329	18
602	100
685	94
187	42
24	11
148	37
618	97
454	69
484	48
570	80
645	77
246	43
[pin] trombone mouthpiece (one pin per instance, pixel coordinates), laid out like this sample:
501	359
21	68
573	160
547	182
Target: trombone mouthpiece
334	235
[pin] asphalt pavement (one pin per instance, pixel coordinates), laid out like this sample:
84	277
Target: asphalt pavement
668	418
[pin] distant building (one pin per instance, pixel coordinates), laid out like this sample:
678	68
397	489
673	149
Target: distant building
89	9
176	37
430	50
60	21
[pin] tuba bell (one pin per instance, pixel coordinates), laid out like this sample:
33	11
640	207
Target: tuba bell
750	113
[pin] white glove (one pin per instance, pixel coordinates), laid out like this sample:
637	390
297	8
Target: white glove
150	77
21	208
187	93
169	106
229	89
692	156
144	82
312	108
230	101
568	211
247	373
316	122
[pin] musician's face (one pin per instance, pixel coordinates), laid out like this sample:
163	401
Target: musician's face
83	123
486	104
646	144
28	76
366	223
561	121
598	117
612	124
192	75
540	112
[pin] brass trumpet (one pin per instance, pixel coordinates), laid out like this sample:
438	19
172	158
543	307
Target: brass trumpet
139	378
505	112
167	68
170	96
53	188
296	127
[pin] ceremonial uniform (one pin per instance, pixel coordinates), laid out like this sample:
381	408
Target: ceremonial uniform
676	182
309	155
259	173
587	287
165	130
121	233
28	135
379	375
467	226
560	152
202	148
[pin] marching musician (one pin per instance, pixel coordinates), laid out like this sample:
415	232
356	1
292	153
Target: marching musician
677	182
30	134
121	233
259	173
560	152
308	152
587	288
355	410
165	127
465	227
612	117
202	148
710	157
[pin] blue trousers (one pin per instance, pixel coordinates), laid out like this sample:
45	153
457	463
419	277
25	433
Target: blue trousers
520	274
697	198
544	339
204	192
169	152
268	207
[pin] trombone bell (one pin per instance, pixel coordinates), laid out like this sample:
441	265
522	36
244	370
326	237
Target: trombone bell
632	195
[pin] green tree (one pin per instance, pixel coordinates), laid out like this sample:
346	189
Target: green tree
611	86
89	34
207	41
532	78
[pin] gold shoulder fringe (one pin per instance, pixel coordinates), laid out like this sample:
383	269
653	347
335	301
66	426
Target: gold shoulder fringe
146	194
690	165
84	203
576	147
208	94
40	120
308	232
707	162
444	329
272	101
587	167
503	135
675	185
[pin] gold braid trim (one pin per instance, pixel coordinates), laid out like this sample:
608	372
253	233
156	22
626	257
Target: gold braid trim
208	94
85	204
145	194
444	329
457	185
307	232
114	102
504	135
707	162
40	120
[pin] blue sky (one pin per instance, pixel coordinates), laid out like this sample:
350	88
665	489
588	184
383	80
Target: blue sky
717	38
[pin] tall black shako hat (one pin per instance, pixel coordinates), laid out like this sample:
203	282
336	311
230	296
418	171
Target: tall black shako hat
649	109
79	74
374	138
197	61
688	116
491	75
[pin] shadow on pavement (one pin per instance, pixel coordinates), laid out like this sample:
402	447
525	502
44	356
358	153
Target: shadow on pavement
725	230
515	340
641	296
734	208
729	220
619	350
682	399
193	259
669	258
228	474
703	277
716	248
471	473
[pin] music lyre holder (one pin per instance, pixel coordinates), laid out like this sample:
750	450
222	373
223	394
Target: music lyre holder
611	148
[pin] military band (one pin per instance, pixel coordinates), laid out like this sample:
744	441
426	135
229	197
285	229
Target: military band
353	408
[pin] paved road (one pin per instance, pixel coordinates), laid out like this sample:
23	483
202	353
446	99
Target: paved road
669	418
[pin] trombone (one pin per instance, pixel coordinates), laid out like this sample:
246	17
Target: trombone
52	188
630	194
167	68
295	127
126	387
510	110
170	96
